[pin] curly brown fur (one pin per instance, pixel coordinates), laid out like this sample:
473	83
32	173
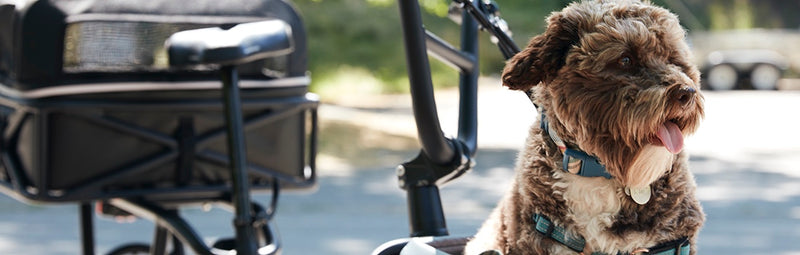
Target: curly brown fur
609	75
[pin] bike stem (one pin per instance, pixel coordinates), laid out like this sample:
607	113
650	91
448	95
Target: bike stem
441	159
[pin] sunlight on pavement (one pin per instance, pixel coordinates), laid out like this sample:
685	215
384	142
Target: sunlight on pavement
748	124
348	246
6	246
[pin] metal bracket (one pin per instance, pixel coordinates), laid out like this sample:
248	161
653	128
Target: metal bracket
421	171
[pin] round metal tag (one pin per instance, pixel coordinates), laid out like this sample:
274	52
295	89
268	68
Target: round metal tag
640	195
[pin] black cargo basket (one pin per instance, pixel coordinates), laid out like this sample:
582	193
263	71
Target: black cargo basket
90	108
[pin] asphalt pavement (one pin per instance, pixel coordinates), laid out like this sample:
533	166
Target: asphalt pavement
745	157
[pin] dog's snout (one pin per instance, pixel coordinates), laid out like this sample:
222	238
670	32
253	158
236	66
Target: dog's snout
684	95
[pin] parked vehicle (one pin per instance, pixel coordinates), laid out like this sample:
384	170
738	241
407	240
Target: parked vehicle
744	69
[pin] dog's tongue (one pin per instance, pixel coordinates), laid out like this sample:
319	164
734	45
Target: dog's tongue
671	136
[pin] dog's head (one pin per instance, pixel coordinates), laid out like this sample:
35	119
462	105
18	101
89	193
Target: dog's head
616	80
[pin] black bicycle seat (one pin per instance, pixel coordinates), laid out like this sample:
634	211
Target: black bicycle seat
236	45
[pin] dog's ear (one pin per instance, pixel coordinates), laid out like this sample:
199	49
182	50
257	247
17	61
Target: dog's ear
544	55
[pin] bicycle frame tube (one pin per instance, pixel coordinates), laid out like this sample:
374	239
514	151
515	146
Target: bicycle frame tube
434	144
468	88
441	159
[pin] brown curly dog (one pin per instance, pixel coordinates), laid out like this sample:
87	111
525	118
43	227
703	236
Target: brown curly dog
602	171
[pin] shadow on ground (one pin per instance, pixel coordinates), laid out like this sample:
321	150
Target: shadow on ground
749	210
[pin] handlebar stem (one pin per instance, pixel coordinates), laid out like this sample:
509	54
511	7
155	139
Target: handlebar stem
434	144
441	159
468	88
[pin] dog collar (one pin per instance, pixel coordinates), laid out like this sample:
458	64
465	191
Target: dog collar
575	161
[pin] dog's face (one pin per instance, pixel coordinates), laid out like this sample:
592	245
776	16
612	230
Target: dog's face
617	81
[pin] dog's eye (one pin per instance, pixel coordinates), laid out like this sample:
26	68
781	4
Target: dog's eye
625	62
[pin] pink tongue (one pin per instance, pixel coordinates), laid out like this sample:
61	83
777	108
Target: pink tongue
671	136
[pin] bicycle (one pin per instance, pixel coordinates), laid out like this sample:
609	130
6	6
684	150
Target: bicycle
64	87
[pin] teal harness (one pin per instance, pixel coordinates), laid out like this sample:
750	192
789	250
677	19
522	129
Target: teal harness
576	243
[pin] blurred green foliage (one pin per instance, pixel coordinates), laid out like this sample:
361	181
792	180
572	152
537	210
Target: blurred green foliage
356	45
353	41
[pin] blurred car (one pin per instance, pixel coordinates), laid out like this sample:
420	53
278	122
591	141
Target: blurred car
730	69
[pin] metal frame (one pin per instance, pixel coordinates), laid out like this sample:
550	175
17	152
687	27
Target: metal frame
29	177
158	204
245	235
443	159
251	221
174	147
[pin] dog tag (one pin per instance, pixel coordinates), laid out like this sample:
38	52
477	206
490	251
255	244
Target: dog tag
639	195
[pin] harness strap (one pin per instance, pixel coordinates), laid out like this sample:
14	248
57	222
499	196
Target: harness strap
546	227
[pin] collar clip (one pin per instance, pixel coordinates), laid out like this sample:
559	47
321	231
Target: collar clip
575	161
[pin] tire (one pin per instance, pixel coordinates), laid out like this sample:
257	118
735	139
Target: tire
131	249
722	77
765	77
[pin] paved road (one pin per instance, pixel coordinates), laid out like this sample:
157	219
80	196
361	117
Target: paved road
745	158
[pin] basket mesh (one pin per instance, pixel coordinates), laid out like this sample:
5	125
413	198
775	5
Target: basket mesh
118	45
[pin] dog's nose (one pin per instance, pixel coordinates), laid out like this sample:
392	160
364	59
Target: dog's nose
684	95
